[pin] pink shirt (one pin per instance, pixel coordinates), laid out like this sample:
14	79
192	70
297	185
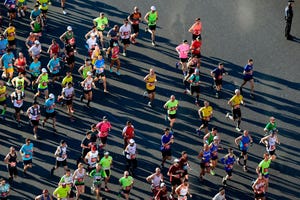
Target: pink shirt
103	128
183	50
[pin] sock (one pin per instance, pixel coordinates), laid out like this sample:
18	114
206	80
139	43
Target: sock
245	162
88	103
238	123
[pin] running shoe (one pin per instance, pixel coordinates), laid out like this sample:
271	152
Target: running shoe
146	29
252	96
227	115
238	129
224	182
35	136
149	104
106	189
19	125
145	94
118	73
81	98
110	70
198	132
153	44
124	54
245	168
8	84
177	65
22	13
64	12
212	172
217	95
19	15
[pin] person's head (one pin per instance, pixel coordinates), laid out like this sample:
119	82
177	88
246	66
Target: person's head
1	83
136	9
157	170
63	143
222	190
51	96
12	149
53	41
176	161
93	148
35	59
80	165
126	174
214	130
230	151
197	19
272	119
10	24
206	103
93	127
21	55
104	118
131	142
116	27
54	56
184	41
172	97
184	154
99	57
8	50
128	123
1	37
98	166
45	192
101	15
88	134
151	71
221	65
35	104
197	71
20	75
260	176
106	154
37	43
125	21
153	8
27	141
87	61
115	44
64	185
36	6
250	61
290	3
185	182
89	74
198	38
266	156
205	147
163	186
2	181
237	91
68	172
216	139
246	132
167	131
69	28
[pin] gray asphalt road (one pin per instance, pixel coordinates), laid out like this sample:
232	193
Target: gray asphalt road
233	31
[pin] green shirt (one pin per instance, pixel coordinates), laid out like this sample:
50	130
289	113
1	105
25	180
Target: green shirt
62	192
85	70
270	126
43	84
106	162
101	23
264	165
97	175
126	181
170	105
152	18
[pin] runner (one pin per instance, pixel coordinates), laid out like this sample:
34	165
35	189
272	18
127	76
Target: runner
92	158
19	81
228	160
217	75
128	133
195	85
10	33
155	180
50	111
106	163
95	53
26	152
54	48
184	164
11	9
98	175
183	191
43	7
126	183
115	58
271	127
85	68
135	18
93	30
167	140
4	190
248	76
29	42
263	168
68	38
209	137
7	61
101	22
34	114
150	80
35	50
270	142
151	18
68	179
67	79
37	26
62	192
205	156
68	94
235	103
243	143
11	159
44	196
17	99
62	4
162	194
61	157
103	127
99	67
175	173
54	68
214	147
130	155
91	43
35	12
3	44
78	177
85	146
196	50
259	188
205	114
3	96
171	105
196	29
70	56
183	51
220	195
21	63
34	70
88	84
125	33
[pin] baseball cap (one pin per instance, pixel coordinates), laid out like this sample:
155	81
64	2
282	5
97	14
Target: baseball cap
44	70
36	42
104	117
106	153
162	185
69	28
51	96
131	141
92	34
89	73
216	138
153	8
236	91
176	160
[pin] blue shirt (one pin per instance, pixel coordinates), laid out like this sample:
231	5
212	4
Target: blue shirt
50	105
165	139
35	13
229	162
54	65
3	46
244	143
218	73
8	60
247	69
27	151
35	68
99	64
4	189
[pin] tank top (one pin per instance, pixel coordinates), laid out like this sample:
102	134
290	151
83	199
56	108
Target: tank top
134	17
68	92
80	176
12	160
197	29
152	17
47	198
20	82
272	143
37	27
21	61
115	52
210	139
18	99
69	35
156	180
88	84
63	152
259	187
54	48
214	150
43	84
229	162
92	159
150	82
85	70
244	143
206	156
183	191
131	151
34	113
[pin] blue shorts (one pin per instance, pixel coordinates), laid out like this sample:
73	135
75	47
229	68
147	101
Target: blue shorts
266	175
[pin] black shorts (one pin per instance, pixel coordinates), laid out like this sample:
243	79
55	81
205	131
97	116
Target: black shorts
195	89
204	123
68	101
57	74
152	27
126	191
229	172
12	170
107	172
27	162
236	113
151	91
87	91
50	115
18	109
44	11
191	70
70	59
218	82
166	153
12	10
198	55
175	181
204	165
126	41
195	36
103	140
111	43
12	42
256	195
136	28
61	163
272	152
172	116
33	78
184	60
3	102
35	122
248	78
244	152
100	75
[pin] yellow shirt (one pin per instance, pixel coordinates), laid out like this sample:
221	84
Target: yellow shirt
67	80
2	92
206	111
10	31
62	192
236	100
150	82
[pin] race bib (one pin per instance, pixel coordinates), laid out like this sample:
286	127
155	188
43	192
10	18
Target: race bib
246	145
93	160
44	4
167	147
272	147
266	170
89	86
220	77
230	166
44	83
13	6
12	164
80	179
27	155
133	156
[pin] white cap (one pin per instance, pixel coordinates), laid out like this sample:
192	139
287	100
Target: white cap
162	185
89	73
176	160
131	141
69	28
44	70
51	96
36	42
236	91
106	153
92	34
216	138
153	8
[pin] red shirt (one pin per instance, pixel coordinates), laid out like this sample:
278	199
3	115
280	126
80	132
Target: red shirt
175	170
196	47
128	132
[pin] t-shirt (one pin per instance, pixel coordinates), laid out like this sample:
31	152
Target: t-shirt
27	151
103	128
171	105
106	162
7	59
264	165
218	73
219	196
165	139
271	126
11	31
126	181
91	42
2	91
206	111
3	45
4	189
236	100
35	13
125	31
101	22
194	79
175	170
44	4
248	68
67	80
50	104
85	141
43	83
99	64
35	50
35	68
194	47
66	179
62	192
112	33
54	65
183	50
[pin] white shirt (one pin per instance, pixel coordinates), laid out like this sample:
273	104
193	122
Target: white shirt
68	92
125	31
91	41
131	151
35	50
219	196
61	153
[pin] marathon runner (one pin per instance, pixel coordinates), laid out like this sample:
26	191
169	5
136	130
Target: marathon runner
135	18
235	103
167	140
228	160
61	157
155	180
7	61
205	157
17	99
103	127
217	75
21	63
106	163
259	188
26	152
126	183
98	175
130	155
3	97
263	168
183	50
196	29
128	133
175	173
4	189
42	82
243	143
270	142
34	114
171	105
78	177
88	84
151	18
205	114
248	76
11	159
125	33
183	191
99	68
150	80
271	126
101	22
50	111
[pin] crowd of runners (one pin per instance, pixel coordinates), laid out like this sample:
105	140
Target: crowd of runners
26	74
